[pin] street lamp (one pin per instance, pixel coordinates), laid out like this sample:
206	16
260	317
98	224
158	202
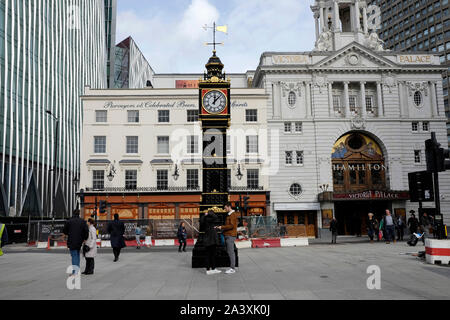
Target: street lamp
55	159
112	172
239	175
176	174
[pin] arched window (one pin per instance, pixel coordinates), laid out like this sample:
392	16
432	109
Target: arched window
292	99
418	98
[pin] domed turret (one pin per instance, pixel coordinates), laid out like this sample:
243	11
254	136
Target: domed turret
214	68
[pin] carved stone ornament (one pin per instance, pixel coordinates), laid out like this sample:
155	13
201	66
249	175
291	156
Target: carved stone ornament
374	42
358	123
325	42
353	59
389	82
291	87
319	81
418	86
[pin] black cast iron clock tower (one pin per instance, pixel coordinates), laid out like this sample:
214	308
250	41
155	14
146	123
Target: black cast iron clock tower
215	115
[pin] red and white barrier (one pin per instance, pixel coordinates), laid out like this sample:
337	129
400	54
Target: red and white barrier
149	242
266	243
437	251
277	243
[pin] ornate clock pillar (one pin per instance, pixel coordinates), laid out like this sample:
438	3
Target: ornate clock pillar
214	114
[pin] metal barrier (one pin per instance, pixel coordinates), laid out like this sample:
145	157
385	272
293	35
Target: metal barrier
249	227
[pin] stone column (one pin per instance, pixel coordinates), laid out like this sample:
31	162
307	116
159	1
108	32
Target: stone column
337	20
401	98
308	99
363	100
322	19
276	100
352	17
316	18
346	100
357	13
434	105
330	98
380	100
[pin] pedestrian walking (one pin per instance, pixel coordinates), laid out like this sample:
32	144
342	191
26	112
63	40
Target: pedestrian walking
381	230
90	243
334	230
413	223
3	237
372	227
210	241
230	233
182	237
389	227
77	232
116	229
400	228
138	232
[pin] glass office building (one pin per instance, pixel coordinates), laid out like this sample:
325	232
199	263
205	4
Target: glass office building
418	26
49	52
110	33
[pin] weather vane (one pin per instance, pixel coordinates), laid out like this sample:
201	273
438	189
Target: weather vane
215	28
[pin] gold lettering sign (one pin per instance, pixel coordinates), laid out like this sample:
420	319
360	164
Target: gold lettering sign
291	59
415	59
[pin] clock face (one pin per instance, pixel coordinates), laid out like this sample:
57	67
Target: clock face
214	101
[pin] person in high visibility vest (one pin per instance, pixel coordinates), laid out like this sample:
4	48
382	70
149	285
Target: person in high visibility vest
3	237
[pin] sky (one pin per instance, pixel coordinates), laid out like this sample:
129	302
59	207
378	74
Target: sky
170	33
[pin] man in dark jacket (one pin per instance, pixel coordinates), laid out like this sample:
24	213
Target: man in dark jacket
210	241
413	223
116	229
334	230
3	237
77	231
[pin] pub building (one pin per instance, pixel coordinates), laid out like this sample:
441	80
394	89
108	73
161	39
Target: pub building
330	132
142	151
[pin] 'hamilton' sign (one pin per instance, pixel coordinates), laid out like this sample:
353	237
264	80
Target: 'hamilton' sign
372	195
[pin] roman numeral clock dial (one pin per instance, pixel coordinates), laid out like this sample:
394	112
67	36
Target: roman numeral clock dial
214	102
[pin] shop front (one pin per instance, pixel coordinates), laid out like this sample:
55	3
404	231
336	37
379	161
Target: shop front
300	219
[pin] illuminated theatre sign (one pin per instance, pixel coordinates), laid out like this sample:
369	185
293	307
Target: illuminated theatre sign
372	195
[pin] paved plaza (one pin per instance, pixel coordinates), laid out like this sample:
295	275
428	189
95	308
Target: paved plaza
319	271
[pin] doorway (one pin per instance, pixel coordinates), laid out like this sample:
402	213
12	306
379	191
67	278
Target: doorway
352	215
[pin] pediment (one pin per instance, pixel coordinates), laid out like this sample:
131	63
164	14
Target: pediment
356	57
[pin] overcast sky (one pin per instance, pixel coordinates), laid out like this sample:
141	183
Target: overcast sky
170	33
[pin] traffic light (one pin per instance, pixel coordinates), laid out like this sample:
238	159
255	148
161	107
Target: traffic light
236	204
102	206
438	159
246	202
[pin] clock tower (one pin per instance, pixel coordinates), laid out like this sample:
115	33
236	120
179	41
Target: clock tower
215	115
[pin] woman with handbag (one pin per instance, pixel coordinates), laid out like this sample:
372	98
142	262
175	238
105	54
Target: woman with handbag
90	248
210	241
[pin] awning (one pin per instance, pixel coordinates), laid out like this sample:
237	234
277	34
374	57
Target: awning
297	206
98	161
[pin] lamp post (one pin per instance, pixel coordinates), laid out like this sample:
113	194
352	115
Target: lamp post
176	173
55	159
75	183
